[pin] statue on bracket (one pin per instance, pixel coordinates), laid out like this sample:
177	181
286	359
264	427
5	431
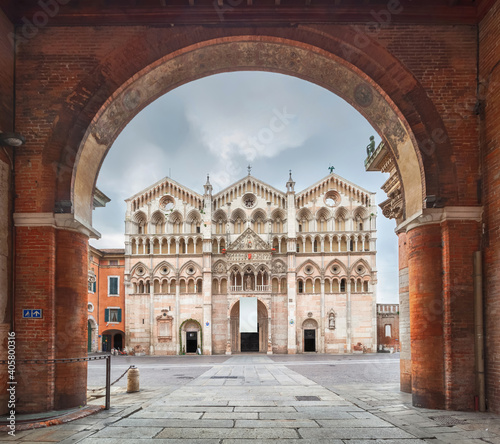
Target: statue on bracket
331	319
370	148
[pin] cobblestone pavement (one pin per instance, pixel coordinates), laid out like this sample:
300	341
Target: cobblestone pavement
254	399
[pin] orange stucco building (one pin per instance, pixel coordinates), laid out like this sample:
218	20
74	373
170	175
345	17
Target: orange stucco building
106	300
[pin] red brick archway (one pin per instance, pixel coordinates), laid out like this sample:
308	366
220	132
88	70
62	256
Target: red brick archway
129	69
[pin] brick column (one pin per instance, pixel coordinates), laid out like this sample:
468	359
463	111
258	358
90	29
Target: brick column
35	338
404	316
460	241
51	274
426	315
71	297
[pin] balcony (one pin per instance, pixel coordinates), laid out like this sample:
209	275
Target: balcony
258	289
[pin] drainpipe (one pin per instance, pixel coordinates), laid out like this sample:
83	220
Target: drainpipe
478	329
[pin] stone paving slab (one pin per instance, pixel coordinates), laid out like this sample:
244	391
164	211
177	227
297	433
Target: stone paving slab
276	423
288	441
352	433
128	432
304	415
353	423
175	423
238	433
231	415
144	441
172	415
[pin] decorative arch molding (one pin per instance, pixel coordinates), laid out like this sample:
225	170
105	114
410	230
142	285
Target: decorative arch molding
310	323
191	264
341	213
219	215
361	212
278	213
379	75
311	263
304	213
258	213
162	264
238	214
343	269
175	216
193	216
323	212
133	270
158	217
139	217
194	321
360	262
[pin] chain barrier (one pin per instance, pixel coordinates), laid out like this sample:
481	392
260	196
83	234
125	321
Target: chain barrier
69	360
101	388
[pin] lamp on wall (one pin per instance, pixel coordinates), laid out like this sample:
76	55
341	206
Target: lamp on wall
11	139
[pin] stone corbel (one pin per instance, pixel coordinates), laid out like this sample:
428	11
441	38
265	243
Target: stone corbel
430	216
62	221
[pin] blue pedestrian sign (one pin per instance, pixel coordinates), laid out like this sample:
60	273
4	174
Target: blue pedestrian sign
32	313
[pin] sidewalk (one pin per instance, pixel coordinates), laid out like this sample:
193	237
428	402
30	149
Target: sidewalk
251	399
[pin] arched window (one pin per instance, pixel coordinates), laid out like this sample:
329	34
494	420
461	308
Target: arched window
301	287
343	285
388	331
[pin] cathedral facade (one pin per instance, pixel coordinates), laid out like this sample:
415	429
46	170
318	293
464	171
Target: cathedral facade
306	260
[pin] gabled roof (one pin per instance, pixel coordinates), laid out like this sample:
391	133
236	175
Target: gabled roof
165	179
244	180
336	176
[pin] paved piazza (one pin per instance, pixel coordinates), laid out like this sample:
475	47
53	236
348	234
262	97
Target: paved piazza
303	399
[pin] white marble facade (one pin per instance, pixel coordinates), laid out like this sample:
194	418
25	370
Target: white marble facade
308	257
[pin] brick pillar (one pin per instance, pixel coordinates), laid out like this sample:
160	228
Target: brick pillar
51	274
404	316
426	315
35	338
71	318
460	241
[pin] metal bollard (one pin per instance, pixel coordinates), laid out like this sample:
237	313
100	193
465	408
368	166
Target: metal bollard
133	379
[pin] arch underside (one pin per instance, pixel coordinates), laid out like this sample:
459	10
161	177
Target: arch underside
249	53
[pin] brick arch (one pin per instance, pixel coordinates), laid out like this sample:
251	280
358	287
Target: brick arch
392	112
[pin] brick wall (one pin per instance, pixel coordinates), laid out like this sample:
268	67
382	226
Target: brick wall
387	315
6	122
490	148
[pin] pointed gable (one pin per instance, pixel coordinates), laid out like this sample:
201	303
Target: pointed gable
249	240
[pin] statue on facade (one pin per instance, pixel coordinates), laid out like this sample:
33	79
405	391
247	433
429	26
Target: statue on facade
331	168
249	283
331	320
370	148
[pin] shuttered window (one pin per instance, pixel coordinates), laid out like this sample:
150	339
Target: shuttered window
113	315
113	284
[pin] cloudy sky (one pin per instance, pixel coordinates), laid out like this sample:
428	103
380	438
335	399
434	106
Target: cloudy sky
220	124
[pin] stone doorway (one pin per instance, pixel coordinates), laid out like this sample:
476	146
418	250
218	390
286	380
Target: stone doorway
249	342
191	341
309	340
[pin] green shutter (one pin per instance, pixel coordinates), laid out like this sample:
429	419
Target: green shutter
119	315
113	285
94	287
106	315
